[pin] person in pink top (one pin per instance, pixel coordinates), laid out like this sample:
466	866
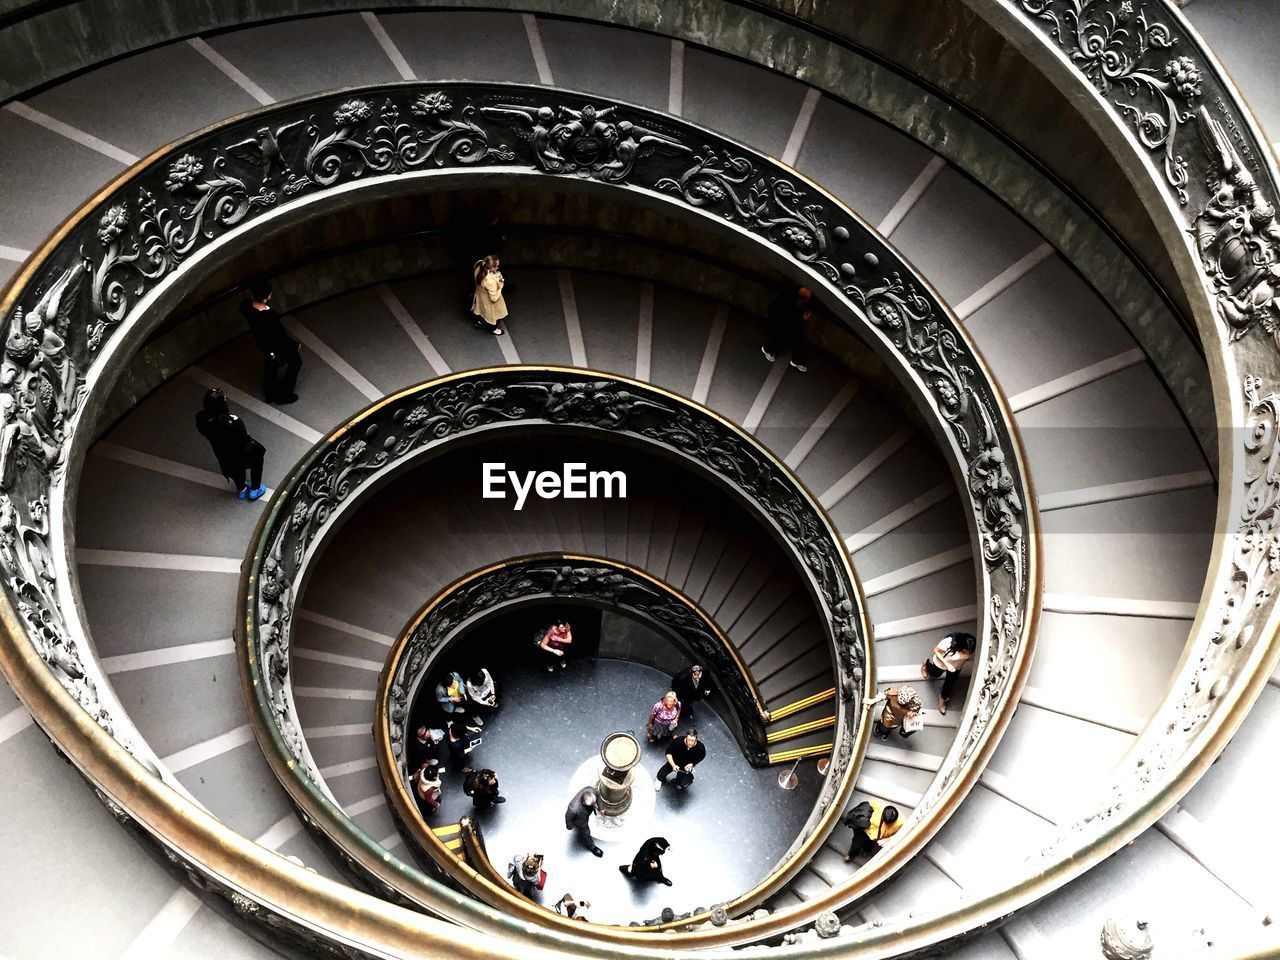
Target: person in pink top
663	718
555	639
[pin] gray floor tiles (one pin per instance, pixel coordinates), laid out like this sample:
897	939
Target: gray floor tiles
192	702
34	202
1045	326
114	887
956	214
124	617
361	330
463	45
747	103
1122	427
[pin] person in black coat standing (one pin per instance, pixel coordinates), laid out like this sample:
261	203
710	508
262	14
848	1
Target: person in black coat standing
683	754
785	322
690	685
482	787
577	817
647	864
237	452
281	360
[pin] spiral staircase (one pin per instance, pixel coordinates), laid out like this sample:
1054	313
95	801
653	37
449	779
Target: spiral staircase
1081	314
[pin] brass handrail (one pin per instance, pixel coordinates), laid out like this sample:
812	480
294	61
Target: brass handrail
391	761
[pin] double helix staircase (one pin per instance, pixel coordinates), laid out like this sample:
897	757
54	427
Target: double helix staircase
1126	497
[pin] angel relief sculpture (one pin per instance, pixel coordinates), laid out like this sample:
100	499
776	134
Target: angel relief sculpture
588	142
38	383
1238	239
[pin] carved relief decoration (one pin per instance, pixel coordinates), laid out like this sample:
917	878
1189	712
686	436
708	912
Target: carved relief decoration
1152	70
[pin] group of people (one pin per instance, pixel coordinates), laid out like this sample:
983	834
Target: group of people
903	707
683	753
463	704
874	821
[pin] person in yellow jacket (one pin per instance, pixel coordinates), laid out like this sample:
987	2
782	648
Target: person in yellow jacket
487	305
873	822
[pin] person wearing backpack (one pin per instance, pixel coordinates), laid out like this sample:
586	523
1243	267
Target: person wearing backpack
872	823
482	787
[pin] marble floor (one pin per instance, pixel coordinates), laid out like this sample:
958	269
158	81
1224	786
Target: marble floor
726	831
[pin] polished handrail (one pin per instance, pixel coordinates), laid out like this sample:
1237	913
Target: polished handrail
164	221
419	647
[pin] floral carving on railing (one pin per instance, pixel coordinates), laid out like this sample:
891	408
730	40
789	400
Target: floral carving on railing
1114	44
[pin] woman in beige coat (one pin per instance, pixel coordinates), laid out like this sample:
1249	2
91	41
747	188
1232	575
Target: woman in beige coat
487	304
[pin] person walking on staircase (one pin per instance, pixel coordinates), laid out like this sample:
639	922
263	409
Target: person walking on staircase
902	708
946	661
487	305
577	817
785	322
238	454
526	874
873	822
281	359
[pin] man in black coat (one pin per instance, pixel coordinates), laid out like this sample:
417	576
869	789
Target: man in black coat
647	864
785	322
237	452
577	817
683	754
280	357
690	686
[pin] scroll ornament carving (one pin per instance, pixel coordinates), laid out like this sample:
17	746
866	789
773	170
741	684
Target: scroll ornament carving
40	390
587	142
1115	45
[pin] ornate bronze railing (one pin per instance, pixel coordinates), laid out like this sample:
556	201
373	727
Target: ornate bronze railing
88	297
563	577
